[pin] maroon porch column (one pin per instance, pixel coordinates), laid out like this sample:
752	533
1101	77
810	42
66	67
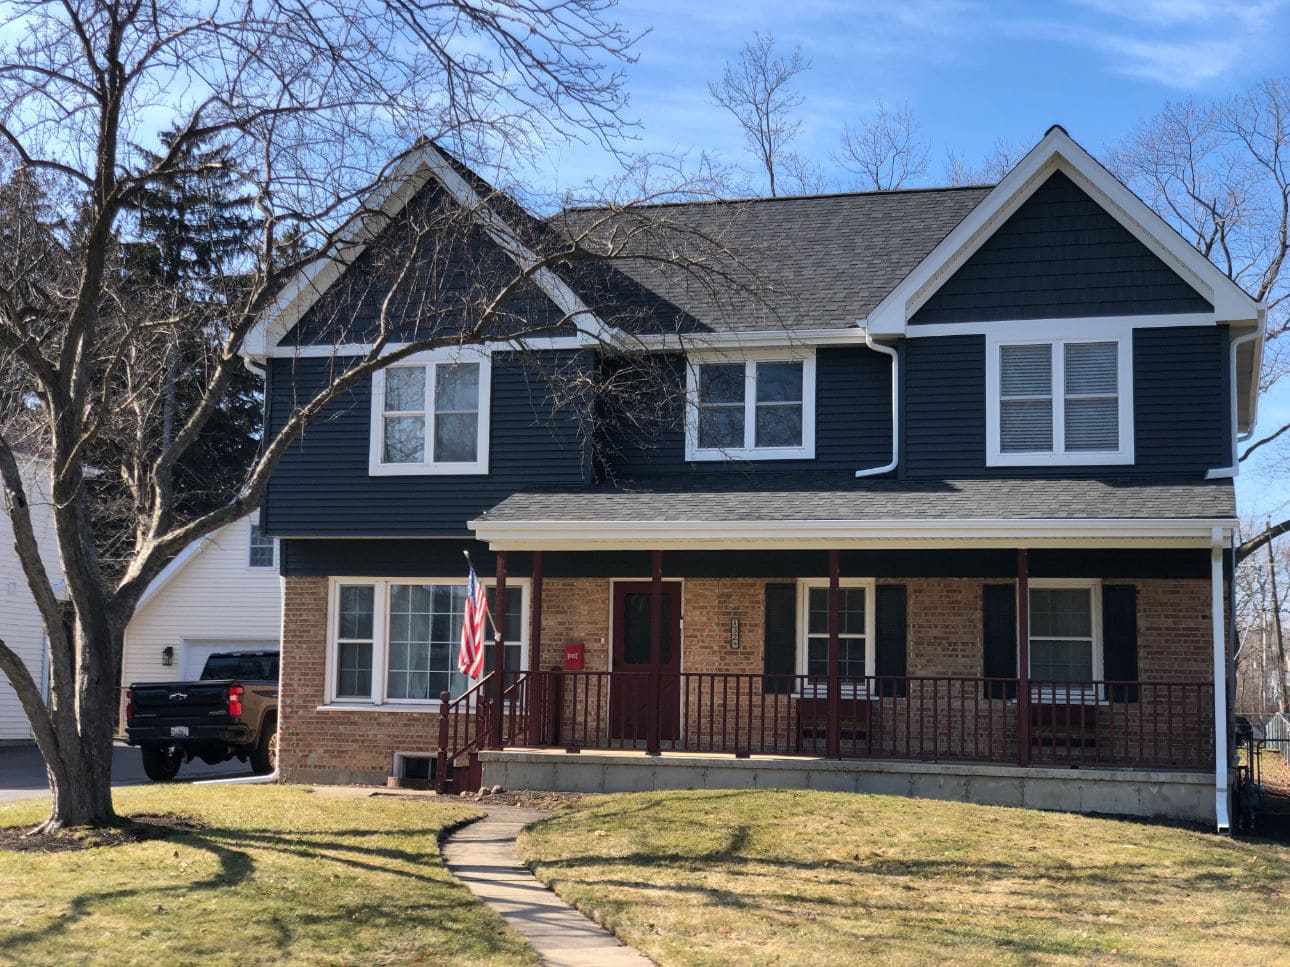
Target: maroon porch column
1023	657
655	649
535	699
499	653
833	742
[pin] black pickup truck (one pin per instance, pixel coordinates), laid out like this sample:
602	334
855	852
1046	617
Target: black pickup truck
231	711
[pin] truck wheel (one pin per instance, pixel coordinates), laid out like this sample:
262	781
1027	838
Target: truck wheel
161	762
264	758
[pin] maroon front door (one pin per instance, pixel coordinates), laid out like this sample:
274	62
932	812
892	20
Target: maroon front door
631	695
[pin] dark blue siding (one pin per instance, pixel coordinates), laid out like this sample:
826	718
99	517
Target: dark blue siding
852	425
1180	407
1060	255
442	558
944	402
322	486
1181	401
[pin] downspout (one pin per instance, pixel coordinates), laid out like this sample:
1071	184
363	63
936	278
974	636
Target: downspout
1221	473
1222	785
895	407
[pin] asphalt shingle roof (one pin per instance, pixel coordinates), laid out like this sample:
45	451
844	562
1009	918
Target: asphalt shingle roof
880	500
811	262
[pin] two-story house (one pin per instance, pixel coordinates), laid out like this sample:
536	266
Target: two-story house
944	509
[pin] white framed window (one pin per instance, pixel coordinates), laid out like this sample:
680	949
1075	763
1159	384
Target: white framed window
751	406
430	414
1065	636
1066	401
260	552
393	642
856	630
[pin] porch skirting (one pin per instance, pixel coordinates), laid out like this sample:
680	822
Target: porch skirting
1124	792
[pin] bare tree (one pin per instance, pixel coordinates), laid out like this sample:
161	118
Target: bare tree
1219	172
998	161
319	105
756	89
887	152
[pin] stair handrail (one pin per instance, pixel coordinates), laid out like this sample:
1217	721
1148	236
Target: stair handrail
470	742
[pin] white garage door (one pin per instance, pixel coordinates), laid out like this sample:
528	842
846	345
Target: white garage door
196	653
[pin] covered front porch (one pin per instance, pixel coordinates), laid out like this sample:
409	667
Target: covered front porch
903	668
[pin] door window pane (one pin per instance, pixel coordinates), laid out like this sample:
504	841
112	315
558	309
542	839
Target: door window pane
636	629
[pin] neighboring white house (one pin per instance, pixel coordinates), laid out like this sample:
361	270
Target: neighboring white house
221	593
20	624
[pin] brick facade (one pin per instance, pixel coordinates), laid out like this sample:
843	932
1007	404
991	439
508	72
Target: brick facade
944	639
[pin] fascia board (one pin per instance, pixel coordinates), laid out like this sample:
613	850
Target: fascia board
563	534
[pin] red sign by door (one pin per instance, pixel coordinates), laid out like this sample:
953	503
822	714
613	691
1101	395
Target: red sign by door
573	656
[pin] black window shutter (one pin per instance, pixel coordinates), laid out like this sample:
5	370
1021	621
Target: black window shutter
890	648
780	656
999	638
1120	639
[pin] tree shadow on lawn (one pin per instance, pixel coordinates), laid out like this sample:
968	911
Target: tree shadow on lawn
237	866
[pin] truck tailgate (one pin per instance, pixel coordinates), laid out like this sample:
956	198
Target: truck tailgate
179	703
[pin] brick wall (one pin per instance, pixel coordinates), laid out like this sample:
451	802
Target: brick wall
944	635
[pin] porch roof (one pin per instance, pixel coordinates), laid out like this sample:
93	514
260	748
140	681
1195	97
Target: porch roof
831	511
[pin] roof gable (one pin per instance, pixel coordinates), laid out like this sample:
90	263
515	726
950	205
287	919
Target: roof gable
1058	152
1060	255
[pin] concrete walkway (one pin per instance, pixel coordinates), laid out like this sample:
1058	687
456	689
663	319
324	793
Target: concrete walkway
482	855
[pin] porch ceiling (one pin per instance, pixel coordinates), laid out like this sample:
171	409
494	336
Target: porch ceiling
768	511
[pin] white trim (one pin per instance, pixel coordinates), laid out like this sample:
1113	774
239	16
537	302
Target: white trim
1082	327
1222	785
380	639
804	586
698	342
431	360
811	534
1059	456
750	359
1057	151
1094	587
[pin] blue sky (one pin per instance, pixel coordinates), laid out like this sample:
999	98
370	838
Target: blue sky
972	73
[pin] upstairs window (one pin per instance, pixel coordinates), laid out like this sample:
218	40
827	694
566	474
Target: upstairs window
1059	402
260	553
431	416
759	407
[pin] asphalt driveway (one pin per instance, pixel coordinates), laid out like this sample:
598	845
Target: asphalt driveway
22	771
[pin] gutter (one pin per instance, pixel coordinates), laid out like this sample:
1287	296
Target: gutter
895	407
1226	473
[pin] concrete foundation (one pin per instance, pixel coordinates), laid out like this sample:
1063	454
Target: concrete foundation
1125	792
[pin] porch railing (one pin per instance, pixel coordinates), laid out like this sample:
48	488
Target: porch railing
925	718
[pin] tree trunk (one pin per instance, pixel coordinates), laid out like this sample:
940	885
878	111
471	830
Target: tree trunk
1283	700
80	770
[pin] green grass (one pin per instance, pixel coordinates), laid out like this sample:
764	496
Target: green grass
822	878
273	874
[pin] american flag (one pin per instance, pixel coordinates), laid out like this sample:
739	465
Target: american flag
470	659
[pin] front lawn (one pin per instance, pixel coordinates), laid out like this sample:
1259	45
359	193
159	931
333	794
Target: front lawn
823	878
261	874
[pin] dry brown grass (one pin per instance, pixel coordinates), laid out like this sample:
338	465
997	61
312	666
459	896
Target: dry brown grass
821	878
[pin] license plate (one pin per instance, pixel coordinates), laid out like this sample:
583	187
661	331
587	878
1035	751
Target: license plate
179	731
